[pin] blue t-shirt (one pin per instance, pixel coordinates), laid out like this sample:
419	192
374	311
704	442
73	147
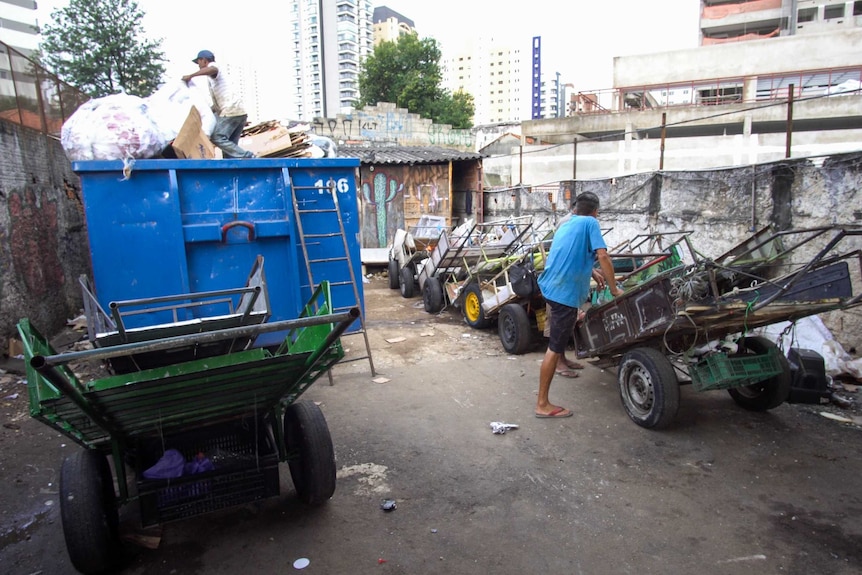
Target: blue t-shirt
566	278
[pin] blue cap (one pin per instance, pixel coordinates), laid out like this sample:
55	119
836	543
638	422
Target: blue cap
205	54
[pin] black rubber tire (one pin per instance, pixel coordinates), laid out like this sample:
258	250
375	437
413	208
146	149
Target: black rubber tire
88	511
408	283
311	457
513	325
471	307
393	274
769	393
432	295
649	388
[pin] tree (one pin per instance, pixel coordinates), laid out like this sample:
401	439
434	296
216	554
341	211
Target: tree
98	46
407	73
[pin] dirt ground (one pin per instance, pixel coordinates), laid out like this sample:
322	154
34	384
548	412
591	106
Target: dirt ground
723	491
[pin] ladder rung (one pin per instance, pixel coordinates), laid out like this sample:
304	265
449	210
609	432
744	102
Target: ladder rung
332	235
318	211
324	260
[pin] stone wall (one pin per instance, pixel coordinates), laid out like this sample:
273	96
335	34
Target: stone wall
43	240
385	124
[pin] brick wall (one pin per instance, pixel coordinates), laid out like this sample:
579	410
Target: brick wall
43	239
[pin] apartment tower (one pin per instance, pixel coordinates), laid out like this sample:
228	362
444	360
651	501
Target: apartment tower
328	41
389	25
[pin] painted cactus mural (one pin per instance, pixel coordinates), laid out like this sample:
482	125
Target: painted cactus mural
379	197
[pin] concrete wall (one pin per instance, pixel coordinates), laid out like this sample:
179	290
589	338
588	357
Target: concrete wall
720	208
541	164
43	240
737	59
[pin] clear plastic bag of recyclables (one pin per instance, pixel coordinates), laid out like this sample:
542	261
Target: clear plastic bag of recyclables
117	127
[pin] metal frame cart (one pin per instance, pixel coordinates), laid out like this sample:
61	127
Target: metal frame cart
688	319
194	387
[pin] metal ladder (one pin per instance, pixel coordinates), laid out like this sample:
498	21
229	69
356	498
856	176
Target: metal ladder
324	235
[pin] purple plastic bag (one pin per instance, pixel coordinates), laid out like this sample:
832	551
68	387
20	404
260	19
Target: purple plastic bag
169	466
199	464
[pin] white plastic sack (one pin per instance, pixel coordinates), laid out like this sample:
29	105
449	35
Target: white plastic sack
169	106
116	127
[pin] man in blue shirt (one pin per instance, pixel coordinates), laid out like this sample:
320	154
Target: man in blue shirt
565	285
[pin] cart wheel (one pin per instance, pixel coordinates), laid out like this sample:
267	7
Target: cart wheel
89	513
766	394
393	274
311	456
407	282
648	388
514	328
472	307
432	295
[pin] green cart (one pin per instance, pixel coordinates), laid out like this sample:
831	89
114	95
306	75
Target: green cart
198	391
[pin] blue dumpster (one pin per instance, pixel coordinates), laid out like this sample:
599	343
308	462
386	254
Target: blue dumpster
168	227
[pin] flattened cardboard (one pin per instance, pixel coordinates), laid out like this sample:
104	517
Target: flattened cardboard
191	142
266	143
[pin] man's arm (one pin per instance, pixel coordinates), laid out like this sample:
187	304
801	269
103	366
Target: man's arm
608	271
207	71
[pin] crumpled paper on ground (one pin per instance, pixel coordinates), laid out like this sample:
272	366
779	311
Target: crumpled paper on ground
499	428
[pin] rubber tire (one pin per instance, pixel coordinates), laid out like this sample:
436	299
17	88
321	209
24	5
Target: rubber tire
649	389
393	274
471	307
311	457
513	325
88	512
767	394
432	295
408	283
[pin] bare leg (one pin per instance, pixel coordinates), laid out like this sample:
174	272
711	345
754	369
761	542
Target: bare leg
546	374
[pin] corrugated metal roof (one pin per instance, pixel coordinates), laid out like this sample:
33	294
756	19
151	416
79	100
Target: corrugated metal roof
405	155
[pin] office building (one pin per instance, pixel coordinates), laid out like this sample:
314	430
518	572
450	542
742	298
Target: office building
725	21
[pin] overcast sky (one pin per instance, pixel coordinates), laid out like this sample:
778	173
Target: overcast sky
579	37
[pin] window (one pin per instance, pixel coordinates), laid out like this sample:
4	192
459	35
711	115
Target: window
807	15
857	8
834	11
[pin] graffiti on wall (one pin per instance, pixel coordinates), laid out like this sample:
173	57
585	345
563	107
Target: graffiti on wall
386	123
382	191
397	196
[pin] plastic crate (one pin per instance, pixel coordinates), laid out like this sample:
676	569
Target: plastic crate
246	469
719	371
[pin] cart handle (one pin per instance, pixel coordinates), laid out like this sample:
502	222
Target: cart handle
247	225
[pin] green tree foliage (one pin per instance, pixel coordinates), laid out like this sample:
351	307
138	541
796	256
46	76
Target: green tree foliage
407	73
98	46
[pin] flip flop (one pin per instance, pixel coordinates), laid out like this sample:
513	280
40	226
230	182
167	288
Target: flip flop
556	413
573	364
568	373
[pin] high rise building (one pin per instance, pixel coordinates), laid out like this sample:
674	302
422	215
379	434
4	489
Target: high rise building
18	25
494	74
724	21
389	25
328	40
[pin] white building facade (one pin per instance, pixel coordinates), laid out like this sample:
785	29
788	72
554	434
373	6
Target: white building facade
18	25
328	39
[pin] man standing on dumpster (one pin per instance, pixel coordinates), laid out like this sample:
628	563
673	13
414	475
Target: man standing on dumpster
230	115
565	285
